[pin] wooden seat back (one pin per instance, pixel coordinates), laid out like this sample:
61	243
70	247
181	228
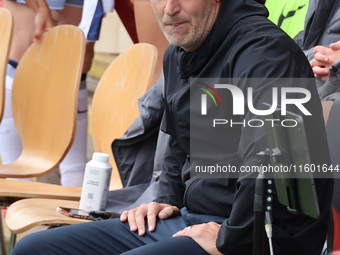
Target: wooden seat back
45	100
115	101
6	29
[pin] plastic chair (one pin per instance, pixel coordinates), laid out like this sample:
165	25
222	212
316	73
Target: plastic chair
44	101
114	108
6	29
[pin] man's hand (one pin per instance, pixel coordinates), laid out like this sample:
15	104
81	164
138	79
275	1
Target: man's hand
324	58
204	234
136	217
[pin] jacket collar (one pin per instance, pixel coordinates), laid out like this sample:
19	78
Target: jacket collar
231	11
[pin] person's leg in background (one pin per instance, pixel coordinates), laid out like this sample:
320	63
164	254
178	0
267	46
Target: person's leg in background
10	142
73	166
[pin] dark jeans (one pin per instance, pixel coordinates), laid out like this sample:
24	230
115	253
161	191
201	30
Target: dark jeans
115	237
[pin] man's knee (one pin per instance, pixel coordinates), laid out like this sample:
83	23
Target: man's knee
29	245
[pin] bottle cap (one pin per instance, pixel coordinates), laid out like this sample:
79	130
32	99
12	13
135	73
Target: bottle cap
101	157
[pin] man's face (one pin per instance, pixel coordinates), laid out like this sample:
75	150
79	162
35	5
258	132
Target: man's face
186	23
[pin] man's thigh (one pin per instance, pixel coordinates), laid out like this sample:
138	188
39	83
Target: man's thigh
100	237
174	245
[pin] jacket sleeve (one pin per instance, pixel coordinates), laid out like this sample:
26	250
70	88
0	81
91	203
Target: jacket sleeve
330	90
236	232
171	186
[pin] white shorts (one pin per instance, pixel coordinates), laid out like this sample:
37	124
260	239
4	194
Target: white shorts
93	12
59	4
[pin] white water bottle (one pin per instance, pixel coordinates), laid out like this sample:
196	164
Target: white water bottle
96	183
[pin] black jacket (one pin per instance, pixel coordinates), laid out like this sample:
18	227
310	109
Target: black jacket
242	44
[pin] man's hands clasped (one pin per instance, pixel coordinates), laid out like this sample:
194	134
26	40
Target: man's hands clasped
324	58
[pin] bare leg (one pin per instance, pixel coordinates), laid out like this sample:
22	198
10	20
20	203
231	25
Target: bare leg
23	28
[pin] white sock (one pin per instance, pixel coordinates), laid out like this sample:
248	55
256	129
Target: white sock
10	142
73	166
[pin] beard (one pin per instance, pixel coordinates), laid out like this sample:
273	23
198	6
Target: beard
192	32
